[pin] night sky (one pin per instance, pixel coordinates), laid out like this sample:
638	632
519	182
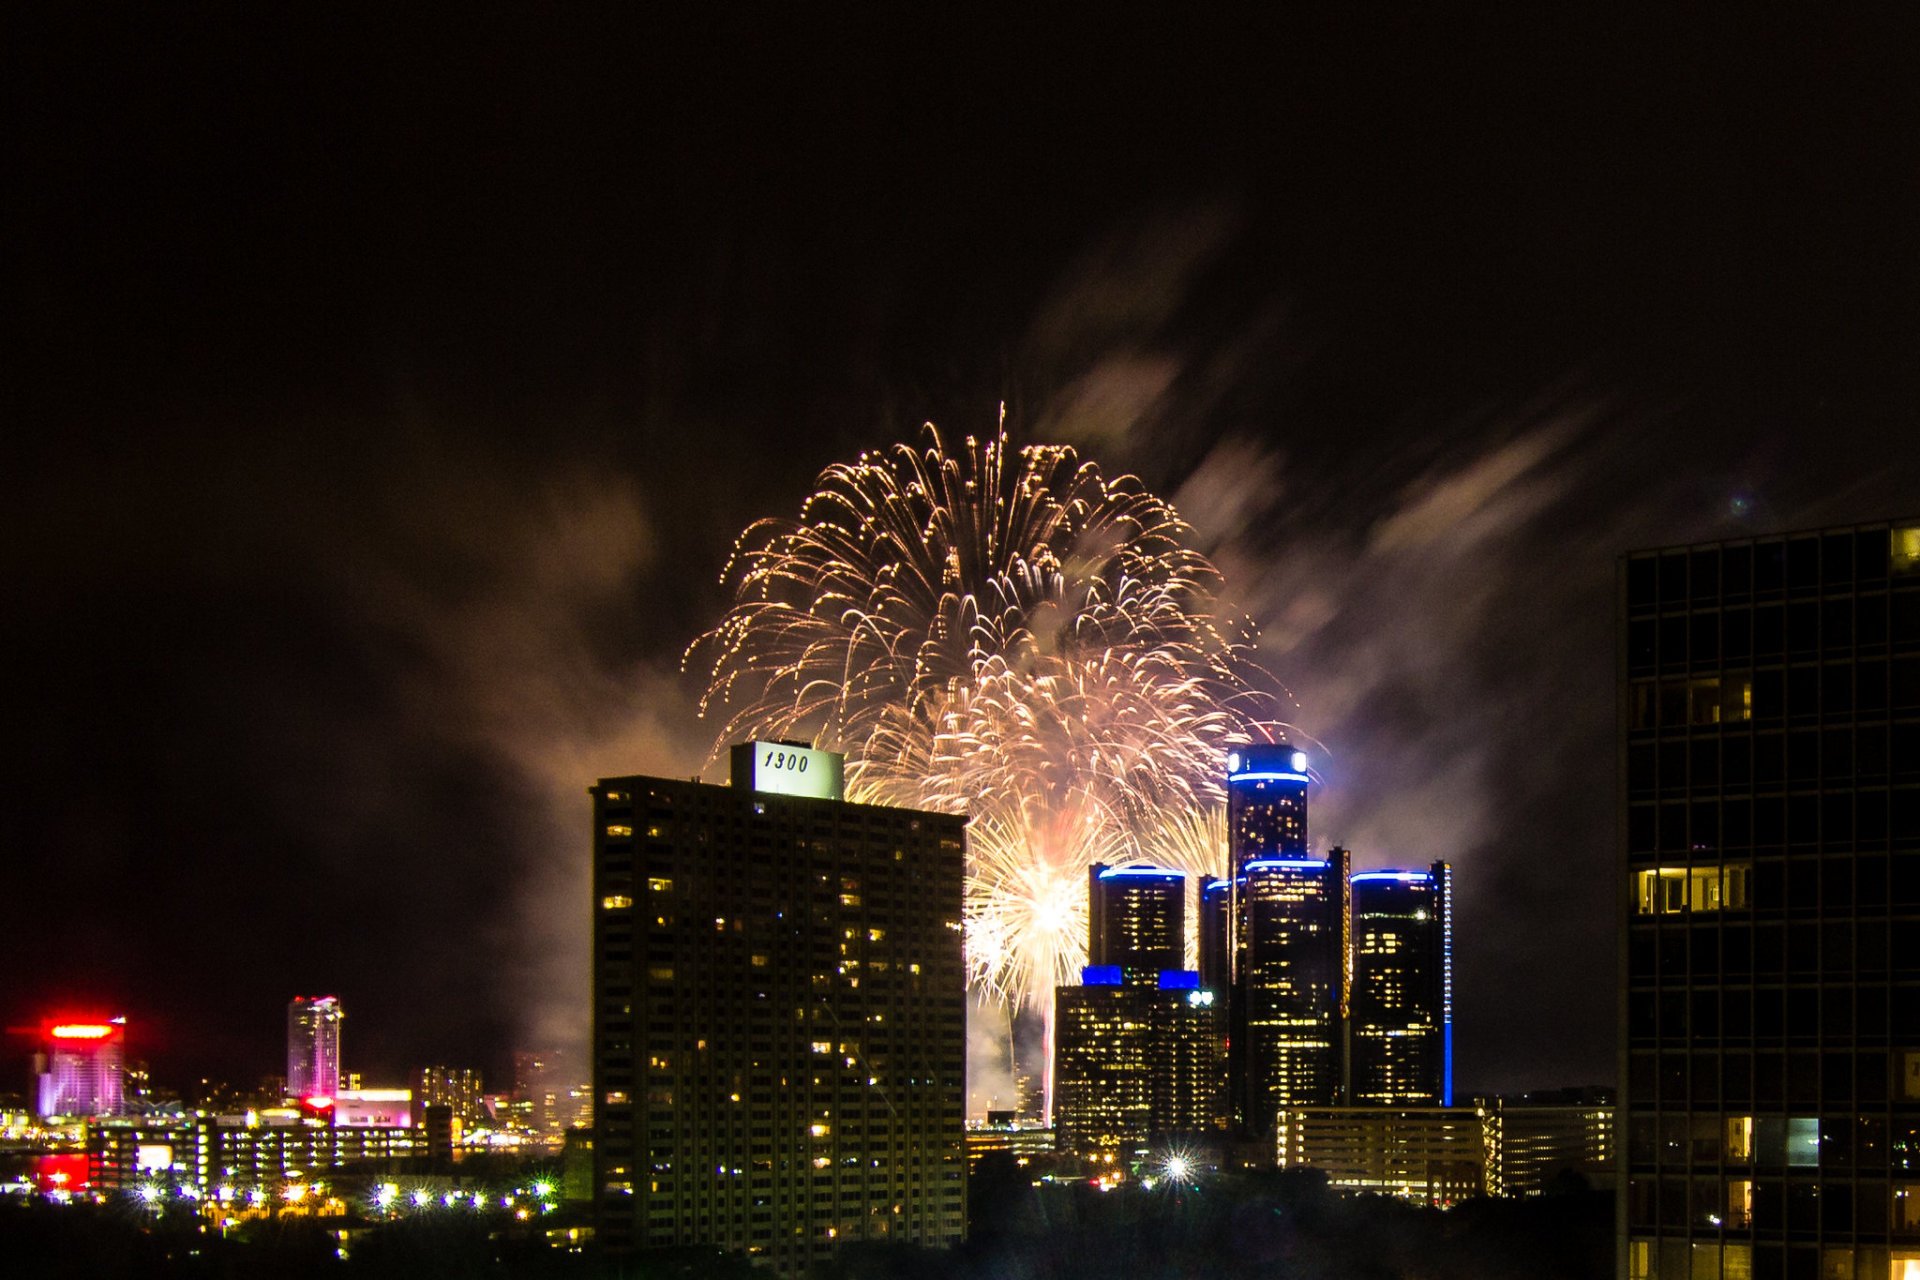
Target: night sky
381	398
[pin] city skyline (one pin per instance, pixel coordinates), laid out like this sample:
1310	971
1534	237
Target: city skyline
390	403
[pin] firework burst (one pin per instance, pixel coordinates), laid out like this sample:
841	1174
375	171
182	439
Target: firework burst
1010	635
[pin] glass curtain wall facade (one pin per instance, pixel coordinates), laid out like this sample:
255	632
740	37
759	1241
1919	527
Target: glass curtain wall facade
1402	1002
313	1046
1770	899
1136	920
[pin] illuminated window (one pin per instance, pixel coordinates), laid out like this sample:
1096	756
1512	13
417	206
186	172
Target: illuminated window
1906	1213
1906	550
1739	1202
615	829
1736	698
1739	1139
615	902
1803	1142
660	973
617	797
1665	891
759	962
1908	1062
1703	701
657	884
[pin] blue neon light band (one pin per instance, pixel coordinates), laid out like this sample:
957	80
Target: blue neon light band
1143	872
1404	877
1294	864
1100	975
1179	979
1268	777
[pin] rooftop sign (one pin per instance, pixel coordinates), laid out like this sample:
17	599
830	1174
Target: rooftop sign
788	769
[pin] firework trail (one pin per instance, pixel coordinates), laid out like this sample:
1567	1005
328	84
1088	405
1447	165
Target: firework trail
1011	635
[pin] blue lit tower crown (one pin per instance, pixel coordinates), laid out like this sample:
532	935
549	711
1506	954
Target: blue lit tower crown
1266	803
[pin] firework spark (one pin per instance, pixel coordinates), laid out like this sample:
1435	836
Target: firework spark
1014	636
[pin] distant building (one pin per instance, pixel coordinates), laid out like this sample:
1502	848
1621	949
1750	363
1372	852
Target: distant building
1402	1002
83	1071
1216	936
1533	1144
1769	905
779	1014
253	1159
458	1088
1006	1131
1427	1155
1139	1044
393	1108
313	1046
556	1091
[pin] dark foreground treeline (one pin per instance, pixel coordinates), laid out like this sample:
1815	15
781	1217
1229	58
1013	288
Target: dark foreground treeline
1253	1227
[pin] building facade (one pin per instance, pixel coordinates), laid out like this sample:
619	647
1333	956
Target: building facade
1769	744
1102	1075
1293	988
313	1046
1534	1144
1402	1003
779	1014
1427	1155
257	1158
83	1069
1137	921
1139	1045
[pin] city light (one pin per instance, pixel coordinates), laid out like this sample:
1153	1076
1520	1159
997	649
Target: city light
81	1031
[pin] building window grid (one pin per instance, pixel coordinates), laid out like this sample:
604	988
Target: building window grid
1849	1184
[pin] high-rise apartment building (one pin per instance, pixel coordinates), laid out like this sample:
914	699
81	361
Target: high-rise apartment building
1402	1002
313	1046
1770	900
779	1014
83	1068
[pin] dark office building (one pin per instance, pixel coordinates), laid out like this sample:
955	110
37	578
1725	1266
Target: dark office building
1293	985
1136	920
1289	950
1770	896
779	1015
1402	1006
1216	935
